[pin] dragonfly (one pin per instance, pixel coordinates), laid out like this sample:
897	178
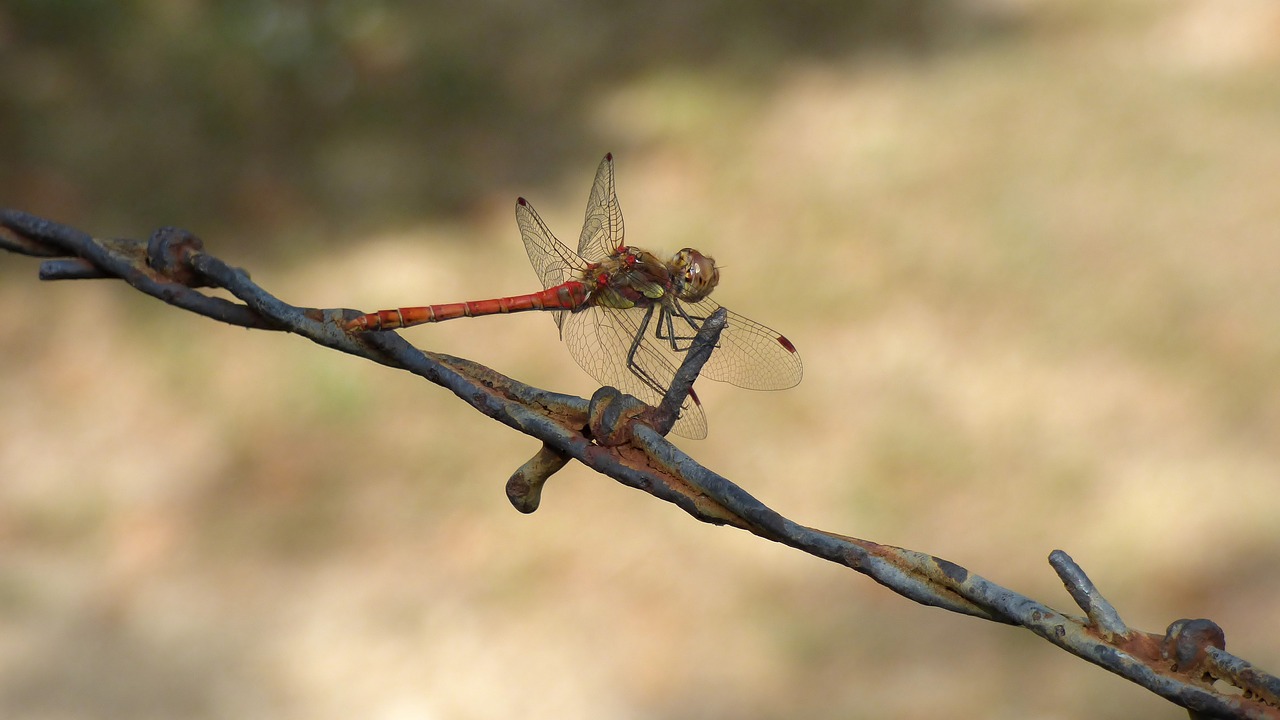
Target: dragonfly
627	316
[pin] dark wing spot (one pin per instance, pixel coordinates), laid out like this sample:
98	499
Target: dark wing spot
786	344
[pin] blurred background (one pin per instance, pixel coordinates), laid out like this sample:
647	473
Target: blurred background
1026	248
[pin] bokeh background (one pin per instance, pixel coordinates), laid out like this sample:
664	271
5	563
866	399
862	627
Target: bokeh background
1027	250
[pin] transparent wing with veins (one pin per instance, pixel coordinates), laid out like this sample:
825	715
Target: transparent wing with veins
602	233
600	340
748	354
552	260
602	229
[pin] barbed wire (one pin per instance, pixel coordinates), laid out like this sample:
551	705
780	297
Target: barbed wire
621	438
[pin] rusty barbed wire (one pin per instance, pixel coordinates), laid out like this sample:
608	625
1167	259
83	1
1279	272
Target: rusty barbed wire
620	437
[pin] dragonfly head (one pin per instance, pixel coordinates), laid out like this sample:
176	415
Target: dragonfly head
695	275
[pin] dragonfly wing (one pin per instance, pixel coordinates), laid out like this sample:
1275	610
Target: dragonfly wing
551	259
602	231
600	340
749	354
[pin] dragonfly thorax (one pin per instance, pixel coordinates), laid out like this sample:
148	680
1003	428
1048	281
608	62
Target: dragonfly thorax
693	275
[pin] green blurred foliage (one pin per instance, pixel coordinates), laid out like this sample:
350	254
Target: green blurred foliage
249	116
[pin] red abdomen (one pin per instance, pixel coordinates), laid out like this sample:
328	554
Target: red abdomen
568	296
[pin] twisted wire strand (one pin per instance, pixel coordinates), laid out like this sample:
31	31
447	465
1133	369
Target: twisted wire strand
619	438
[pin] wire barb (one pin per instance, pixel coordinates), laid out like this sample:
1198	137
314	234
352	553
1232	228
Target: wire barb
524	488
1100	612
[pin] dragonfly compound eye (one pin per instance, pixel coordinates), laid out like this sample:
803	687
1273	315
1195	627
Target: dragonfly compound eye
698	275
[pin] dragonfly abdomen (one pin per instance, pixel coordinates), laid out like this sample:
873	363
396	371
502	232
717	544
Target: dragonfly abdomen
567	296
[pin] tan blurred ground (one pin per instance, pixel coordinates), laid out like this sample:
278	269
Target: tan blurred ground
1034	283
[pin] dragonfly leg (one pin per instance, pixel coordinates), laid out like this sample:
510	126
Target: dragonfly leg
635	367
678	342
